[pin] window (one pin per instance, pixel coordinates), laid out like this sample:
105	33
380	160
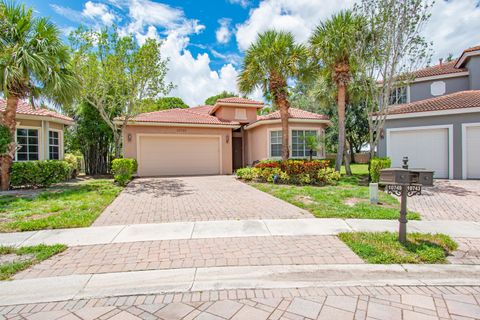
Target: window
398	95
275	143
240	114
27	140
299	148
53	145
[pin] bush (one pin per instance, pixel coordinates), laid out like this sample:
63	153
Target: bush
39	173
377	164
72	160
123	170
304	172
246	173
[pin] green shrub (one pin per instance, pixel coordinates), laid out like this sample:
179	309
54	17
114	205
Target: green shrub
123	170
5	139
72	160
246	173
39	173
377	164
328	176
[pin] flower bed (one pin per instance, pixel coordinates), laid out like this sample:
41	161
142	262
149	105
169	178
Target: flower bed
300	172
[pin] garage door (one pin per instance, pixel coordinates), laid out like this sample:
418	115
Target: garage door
425	148
178	155
472	152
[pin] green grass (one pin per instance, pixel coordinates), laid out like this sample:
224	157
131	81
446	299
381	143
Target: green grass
348	199
384	248
36	254
70	206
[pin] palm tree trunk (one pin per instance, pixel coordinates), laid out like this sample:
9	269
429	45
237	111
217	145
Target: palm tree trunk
341	125
278	87
283	105
8	119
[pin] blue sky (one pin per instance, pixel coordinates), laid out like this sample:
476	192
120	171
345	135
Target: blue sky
205	39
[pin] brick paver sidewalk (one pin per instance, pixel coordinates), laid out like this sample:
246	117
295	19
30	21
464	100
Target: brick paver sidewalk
468	251
172	254
396	303
156	200
449	200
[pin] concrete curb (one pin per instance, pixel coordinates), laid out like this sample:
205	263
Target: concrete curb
229	228
223	278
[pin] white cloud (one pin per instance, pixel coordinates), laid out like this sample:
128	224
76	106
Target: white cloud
243	3
98	10
223	33
299	17
193	76
453	27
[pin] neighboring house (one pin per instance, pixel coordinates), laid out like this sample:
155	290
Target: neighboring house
39	133
215	139
435	119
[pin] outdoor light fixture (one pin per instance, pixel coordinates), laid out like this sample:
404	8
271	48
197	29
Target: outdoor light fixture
129	137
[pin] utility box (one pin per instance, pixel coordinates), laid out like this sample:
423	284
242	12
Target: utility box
395	176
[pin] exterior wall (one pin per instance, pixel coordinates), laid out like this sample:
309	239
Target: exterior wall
473	67
130	146
456	120
258	139
422	90
228	113
43	128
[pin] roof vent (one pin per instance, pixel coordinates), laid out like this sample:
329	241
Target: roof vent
441	61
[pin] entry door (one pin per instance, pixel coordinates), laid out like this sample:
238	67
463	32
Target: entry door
425	148
472	152
237	150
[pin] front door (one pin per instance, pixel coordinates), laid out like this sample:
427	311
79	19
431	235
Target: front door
237	153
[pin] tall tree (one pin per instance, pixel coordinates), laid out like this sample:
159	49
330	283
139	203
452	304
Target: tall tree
34	63
268	64
163	103
393	45
117	74
210	101
334	45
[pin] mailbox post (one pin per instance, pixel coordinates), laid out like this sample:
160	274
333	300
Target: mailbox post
405	183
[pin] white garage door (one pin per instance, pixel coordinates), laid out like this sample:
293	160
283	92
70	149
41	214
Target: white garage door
472	152
178	155
425	148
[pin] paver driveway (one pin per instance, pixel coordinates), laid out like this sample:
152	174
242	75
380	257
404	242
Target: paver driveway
155	200
449	200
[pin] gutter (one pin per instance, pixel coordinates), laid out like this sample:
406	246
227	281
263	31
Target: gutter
178	124
290	120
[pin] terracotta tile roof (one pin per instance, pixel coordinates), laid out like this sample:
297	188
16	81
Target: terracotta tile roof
457	100
439	69
181	116
202	109
239	101
27	109
472	49
294	114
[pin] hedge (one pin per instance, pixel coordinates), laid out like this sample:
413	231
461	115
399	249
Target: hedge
302	172
41	173
377	164
123	170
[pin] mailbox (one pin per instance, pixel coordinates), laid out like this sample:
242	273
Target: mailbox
423	177
395	176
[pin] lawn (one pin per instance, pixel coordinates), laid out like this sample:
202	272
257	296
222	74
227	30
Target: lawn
69	206
13	260
348	199
384	248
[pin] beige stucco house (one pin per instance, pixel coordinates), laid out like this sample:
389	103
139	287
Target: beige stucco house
215	139
39	133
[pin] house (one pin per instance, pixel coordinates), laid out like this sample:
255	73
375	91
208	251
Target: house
39	133
435	119
215	139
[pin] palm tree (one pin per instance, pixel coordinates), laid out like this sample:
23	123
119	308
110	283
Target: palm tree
269	63
33	64
333	45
